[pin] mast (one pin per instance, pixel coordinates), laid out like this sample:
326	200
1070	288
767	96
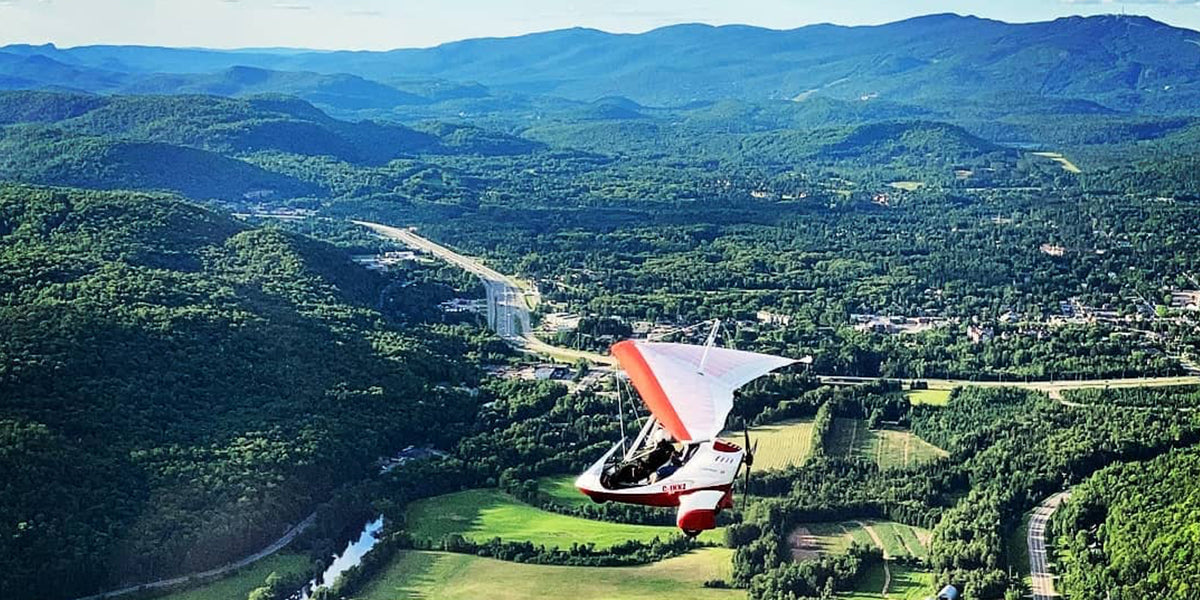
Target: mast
712	338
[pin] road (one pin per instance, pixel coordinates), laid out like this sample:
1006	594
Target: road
1035	539
275	546
509	302
1053	388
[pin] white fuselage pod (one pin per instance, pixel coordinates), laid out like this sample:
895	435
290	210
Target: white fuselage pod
713	466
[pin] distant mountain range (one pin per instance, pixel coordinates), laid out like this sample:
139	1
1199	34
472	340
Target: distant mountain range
1097	64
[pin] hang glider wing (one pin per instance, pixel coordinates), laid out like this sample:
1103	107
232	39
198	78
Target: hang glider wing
689	393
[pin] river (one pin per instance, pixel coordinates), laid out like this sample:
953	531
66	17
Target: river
349	557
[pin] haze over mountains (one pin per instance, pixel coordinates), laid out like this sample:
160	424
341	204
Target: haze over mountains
1099	64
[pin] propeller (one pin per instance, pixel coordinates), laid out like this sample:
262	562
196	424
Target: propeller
748	460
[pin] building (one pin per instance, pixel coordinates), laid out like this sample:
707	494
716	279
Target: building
1052	249
771	318
550	373
979	335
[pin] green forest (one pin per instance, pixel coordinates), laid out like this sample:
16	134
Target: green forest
192	361
178	386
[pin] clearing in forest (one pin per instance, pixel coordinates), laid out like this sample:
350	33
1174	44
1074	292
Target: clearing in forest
904	583
445	576
810	540
1057	157
887	447
931	397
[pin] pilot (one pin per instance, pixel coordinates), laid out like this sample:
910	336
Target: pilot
664	459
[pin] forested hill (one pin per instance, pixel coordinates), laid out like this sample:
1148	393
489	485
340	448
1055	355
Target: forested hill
208	147
1118	62
177	388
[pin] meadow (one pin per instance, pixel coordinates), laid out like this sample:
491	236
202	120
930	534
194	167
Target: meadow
931	397
906	584
888	448
561	490
481	515
414	574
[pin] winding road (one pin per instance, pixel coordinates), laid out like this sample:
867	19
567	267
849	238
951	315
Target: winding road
1035	539
274	547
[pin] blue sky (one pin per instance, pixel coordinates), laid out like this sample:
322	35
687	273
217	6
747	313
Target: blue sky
383	24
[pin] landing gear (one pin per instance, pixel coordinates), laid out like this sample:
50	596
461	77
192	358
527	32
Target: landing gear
691	533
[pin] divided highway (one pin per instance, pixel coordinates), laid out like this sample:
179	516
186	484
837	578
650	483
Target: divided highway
509	302
1035	538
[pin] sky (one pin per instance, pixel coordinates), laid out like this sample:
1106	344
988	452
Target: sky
386	24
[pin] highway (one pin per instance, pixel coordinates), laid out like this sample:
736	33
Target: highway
1035	539
509	302
1053	388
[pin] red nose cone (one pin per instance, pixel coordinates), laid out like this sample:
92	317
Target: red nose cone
697	520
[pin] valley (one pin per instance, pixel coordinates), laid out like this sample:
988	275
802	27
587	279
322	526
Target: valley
258	306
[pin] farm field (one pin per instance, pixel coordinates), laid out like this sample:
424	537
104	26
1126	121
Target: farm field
445	576
481	515
888	448
240	584
931	397
810	540
783	444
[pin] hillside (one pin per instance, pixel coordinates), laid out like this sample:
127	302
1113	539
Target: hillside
204	146
1126	63
177	388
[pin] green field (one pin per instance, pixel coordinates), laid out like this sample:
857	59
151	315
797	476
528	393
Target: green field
931	397
888	448
481	515
561	490
906	584
419	575
783	444
809	540
239	585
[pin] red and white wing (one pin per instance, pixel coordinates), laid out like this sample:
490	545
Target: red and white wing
691	402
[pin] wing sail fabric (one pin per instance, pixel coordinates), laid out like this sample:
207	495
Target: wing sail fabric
691	403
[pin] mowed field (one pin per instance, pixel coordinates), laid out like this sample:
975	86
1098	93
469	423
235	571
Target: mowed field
888	448
783	444
931	397
811	540
906	584
481	515
239	585
438	575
